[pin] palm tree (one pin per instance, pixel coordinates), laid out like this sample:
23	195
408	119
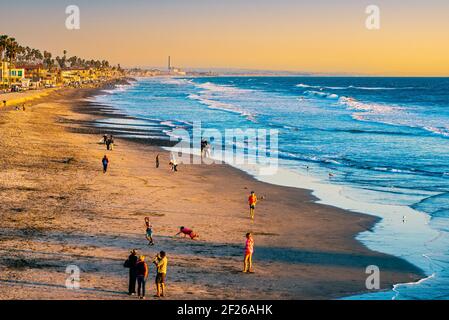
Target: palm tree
47	59
60	62
73	61
12	49
3	43
37	55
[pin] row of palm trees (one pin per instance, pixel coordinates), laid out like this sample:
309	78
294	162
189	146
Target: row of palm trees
11	51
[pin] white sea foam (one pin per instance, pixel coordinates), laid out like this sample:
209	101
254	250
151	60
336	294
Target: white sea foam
226	89
302	85
119	88
441	131
368	107
217	105
211	94
321	94
175	81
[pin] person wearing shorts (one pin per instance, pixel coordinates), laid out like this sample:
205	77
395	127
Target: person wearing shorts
252	200
161	264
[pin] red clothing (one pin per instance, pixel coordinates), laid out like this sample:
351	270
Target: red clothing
249	248
252	199
142	268
186	231
189	232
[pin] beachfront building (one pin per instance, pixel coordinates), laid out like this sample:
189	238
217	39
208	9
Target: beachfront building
11	76
4	71
71	76
78	76
34	75
16	75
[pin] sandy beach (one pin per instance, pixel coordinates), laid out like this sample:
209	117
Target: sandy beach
58	208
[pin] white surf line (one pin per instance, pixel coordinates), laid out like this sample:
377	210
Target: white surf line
396	286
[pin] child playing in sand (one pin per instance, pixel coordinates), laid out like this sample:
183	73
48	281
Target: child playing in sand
149	231
252	200
187	232
249	249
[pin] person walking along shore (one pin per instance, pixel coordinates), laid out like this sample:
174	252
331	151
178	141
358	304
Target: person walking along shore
252	200
105	162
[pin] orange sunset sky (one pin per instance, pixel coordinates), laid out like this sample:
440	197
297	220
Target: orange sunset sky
309	36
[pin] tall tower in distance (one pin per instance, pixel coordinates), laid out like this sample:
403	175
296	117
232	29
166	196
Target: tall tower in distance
169	64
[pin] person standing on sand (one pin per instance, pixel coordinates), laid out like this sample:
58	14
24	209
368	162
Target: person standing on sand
105	138
252	200
149	231
157	161
249	249
173	165
131	263
111	141
105	163
142	275
161	264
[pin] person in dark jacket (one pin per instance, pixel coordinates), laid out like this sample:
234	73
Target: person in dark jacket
142	275
131	263
105	162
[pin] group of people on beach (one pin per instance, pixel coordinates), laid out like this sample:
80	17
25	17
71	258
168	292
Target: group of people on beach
205	148
138	267
17	108
139	270
108	141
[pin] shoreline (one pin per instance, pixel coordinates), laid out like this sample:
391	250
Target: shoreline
314	195
322	263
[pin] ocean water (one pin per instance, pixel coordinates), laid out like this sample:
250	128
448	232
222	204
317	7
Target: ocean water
385	140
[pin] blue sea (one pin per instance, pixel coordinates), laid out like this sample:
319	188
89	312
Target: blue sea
385	141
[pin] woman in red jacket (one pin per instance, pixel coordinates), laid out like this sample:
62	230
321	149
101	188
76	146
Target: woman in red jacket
142	275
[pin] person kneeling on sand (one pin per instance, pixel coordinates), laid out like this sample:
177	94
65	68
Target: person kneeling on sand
161	264
249	249
142	275
105	163
187	232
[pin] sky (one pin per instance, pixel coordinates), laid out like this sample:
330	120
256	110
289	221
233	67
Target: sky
319	36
